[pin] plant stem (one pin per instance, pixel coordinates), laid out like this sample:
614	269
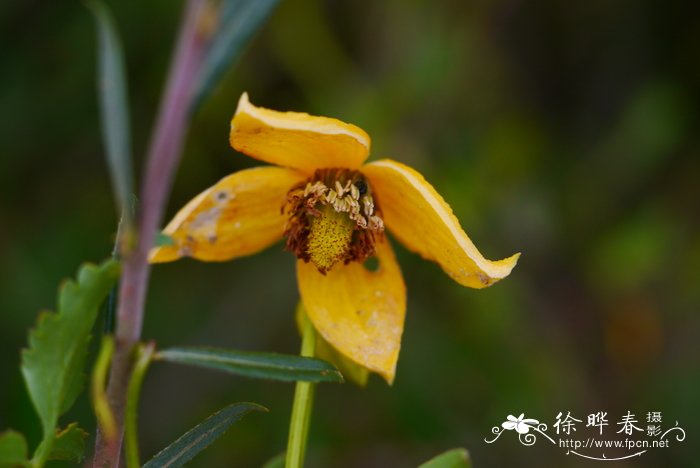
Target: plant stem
162	160
103	413
302	406
131	443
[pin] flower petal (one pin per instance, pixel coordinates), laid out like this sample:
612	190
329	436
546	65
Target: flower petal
358	311
419	217
295	139
238	216
508	425
351	371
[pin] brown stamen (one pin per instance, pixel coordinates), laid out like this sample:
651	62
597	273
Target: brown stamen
332	218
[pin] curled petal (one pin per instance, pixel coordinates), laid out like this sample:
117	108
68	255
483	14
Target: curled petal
419	217
509	425
297	140
358	311
238	216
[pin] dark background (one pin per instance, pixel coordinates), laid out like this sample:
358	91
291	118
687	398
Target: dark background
567	131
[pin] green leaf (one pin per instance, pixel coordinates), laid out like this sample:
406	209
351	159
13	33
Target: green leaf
69	444
201	436
455	458
255	364
114	105
53	364
238	22
13	449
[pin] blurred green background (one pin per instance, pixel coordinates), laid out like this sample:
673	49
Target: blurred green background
564	130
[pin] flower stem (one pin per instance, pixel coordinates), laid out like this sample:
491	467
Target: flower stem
131	442
162	160
302	406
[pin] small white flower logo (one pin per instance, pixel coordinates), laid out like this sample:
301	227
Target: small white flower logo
522	426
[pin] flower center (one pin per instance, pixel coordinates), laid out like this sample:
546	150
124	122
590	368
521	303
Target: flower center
332	218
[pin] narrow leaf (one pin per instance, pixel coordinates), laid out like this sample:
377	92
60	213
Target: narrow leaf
13	449
114	105
53	364
69	444
271	366
455	458
239	20
201	436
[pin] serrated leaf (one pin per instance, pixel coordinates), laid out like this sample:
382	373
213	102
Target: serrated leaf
455	458
201	436
13	449
271	366
239	19
53	364
69	444
114	105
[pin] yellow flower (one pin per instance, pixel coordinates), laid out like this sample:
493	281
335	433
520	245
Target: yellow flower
332	210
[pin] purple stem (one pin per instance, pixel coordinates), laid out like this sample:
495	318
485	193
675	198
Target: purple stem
163	158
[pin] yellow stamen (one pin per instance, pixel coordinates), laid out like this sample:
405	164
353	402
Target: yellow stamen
330	235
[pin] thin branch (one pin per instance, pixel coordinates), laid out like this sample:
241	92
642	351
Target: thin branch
163	158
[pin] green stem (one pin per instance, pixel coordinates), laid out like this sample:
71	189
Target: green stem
103	412
131	435
42	451
303	403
